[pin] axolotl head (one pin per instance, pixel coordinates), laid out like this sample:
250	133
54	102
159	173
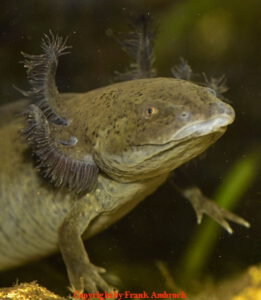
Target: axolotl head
149	127
131	131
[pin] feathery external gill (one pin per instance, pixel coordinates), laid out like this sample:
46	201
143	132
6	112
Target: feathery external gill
218	84
182	70
41	71
62	170
139	46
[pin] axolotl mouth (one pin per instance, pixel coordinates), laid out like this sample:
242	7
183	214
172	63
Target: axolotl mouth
197	129
217	123
215	126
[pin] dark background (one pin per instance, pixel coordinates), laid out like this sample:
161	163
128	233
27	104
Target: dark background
216	37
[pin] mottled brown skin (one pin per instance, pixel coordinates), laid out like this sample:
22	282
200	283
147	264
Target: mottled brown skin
134	150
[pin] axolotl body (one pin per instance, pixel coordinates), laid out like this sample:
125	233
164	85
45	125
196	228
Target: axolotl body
85	160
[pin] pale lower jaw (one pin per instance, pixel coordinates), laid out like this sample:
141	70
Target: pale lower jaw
203	128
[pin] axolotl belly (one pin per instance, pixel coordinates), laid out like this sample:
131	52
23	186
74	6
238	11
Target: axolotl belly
85	161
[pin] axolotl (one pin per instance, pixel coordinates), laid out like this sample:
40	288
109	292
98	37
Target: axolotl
83	161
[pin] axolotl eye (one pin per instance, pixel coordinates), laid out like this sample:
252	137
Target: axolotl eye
150	111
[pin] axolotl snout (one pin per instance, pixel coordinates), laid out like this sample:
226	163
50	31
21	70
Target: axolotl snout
98	154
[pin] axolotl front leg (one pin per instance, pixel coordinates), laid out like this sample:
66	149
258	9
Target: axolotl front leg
82	273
